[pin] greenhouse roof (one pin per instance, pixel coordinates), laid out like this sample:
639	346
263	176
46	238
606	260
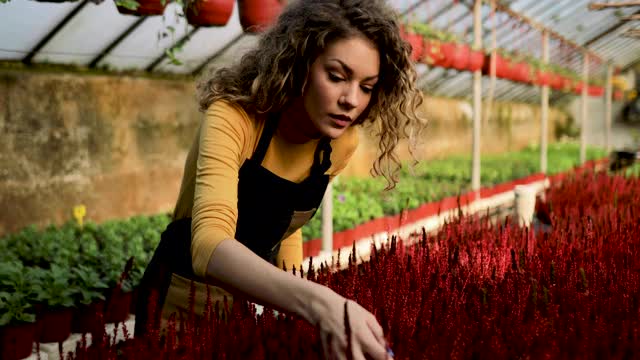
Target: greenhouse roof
94	34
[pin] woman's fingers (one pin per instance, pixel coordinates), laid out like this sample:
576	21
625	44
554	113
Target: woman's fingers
377	331
371	346
325	338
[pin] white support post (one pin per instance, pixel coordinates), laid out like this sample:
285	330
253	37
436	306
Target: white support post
477	99
583	128
327	220
544	105
607	109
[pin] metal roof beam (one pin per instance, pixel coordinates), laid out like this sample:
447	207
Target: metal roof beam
116	41
218	53
540	27
27	59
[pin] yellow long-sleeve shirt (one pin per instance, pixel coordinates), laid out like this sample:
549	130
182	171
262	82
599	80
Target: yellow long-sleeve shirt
209	191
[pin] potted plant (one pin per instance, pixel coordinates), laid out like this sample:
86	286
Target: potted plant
596	87
54	323
415	40
424	38
208	12
118	299
257	15
89	299
17	326
476	59
141	7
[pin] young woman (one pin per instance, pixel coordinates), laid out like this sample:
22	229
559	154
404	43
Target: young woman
279	125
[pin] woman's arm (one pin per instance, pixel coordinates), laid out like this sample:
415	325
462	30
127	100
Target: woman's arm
241	270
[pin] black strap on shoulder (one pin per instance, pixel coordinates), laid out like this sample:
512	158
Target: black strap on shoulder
320	166
270	126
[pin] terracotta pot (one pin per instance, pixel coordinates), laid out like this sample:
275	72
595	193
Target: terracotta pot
432	52
543	78
448	53
476	60
257	15
556	82
117	306
577	87
521	72
209	12
88	318
460	59
417	46
595	90
16	340
503	67
617	95
54	325
146	8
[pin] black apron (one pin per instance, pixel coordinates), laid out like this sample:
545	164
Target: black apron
270	209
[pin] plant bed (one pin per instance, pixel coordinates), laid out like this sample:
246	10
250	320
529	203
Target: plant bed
472	290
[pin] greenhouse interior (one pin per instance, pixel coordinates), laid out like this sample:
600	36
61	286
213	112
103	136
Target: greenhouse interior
484	203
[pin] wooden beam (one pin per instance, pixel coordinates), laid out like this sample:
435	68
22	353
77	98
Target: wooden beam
601	6
540	27
630	17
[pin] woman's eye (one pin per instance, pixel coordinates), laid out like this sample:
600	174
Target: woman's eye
334	77
367	90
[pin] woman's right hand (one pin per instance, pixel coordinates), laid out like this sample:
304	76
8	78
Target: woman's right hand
367	337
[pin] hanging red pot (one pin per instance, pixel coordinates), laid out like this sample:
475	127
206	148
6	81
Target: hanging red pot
415	40
448	54
503	67
543	78
16	341
521	72
460	60
257	15
432	52
556	82
617	95
145	8
476	60
595	90
209	12
54	325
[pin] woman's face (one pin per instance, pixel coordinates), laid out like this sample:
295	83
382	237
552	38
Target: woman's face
340	85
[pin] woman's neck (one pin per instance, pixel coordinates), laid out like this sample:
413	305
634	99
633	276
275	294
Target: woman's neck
295	125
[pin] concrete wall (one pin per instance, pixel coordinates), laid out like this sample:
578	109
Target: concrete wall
114	144
118	144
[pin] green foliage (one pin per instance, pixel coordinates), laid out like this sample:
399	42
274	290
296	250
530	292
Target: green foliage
57	289
358	200
15	309
88	284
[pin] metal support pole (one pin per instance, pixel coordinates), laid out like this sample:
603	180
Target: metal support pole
607	109
477	99
327	220
583	128
544	104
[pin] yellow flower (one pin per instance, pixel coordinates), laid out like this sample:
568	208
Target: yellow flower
79	211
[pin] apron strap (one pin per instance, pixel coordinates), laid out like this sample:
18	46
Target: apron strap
319	167
270	126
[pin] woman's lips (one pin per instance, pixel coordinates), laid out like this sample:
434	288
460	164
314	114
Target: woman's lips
340	120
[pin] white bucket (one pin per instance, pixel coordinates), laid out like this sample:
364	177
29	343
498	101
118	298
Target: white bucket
525	204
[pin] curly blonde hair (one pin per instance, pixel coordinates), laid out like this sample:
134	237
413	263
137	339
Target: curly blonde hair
275	72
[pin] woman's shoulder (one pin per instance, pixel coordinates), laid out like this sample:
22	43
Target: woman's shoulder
348	142
232	120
